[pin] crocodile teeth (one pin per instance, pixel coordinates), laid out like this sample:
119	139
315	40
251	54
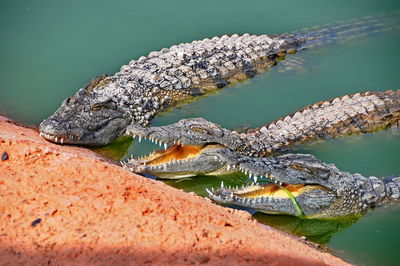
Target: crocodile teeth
255	179
62	140
165	146
228	167
222	184
139	139
208	191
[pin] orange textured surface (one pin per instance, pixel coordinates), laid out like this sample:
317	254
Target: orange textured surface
93	212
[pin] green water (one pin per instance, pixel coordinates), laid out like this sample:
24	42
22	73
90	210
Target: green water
49	49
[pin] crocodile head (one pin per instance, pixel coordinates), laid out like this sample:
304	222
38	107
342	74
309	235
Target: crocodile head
90	117
296	184
191	147
313	201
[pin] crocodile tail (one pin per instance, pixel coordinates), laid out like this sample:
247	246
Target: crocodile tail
346	30
349	114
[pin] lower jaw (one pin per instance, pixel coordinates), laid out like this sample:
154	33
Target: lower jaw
172	176
177	175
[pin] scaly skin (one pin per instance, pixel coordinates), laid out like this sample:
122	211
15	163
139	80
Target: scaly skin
319	189
101	111
357	113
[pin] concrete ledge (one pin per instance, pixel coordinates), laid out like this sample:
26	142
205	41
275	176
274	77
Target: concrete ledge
68	205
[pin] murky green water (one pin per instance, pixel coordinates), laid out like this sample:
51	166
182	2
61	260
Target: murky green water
49	49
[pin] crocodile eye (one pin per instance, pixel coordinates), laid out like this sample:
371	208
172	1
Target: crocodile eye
70	100
108	104
212	131
200	130
96	107
297	166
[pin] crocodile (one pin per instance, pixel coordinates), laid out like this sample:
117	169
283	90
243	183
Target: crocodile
301	185
100	112
295	180
190	145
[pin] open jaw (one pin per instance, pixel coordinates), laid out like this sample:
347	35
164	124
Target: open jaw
191	147
179	161
277	198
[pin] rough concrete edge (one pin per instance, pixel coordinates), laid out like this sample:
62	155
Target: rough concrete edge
104	160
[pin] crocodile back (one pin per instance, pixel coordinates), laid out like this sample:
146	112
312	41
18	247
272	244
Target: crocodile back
349	114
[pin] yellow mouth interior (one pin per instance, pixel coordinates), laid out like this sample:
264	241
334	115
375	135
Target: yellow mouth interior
274	190
174	152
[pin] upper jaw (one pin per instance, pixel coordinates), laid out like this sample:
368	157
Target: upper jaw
155	135
172	134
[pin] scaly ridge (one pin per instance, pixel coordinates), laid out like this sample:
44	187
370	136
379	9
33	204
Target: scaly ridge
349	114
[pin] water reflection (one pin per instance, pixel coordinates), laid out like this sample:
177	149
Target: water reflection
198	184
116	150
316	230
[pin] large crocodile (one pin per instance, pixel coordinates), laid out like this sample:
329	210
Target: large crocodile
319	189
100	112
195	141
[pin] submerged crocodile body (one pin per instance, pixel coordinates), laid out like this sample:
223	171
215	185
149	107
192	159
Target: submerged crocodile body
100	112
202	147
